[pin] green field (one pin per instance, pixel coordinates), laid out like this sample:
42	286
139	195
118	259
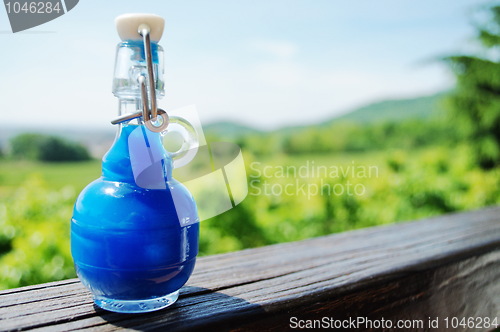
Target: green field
55	175
36	201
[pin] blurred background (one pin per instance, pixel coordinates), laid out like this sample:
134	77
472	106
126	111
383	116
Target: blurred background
349	115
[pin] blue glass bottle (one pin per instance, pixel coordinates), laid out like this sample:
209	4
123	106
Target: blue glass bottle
134	231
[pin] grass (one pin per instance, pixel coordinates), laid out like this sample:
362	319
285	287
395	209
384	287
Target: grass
56	175
13	173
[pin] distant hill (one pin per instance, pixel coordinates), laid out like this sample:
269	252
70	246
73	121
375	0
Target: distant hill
388	110
396	110
227	129
99	140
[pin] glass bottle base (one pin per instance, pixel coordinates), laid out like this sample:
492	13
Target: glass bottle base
136	306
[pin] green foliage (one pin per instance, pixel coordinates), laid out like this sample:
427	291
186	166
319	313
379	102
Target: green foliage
488	33
47	148
476	100
405	185
34	235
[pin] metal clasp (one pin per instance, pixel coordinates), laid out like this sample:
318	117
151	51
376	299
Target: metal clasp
155	118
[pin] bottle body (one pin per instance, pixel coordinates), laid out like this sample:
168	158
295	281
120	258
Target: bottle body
128	239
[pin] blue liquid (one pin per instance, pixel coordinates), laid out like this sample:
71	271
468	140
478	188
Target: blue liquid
127	241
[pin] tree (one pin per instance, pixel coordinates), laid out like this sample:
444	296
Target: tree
25	146
57	149
47	148
476	99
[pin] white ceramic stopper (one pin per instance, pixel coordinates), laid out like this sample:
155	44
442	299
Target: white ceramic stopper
127	26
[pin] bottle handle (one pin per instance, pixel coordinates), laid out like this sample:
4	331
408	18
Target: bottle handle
190	144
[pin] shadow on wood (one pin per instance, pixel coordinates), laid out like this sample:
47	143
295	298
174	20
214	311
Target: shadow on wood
442	267
196	308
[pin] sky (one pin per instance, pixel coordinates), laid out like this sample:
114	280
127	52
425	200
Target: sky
263	63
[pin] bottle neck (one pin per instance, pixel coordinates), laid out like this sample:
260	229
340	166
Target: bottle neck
130	64
130	106
126	106
137	155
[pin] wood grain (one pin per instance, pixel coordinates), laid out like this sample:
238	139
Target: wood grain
440	267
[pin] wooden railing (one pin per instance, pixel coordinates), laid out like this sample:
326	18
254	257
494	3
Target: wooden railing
445	268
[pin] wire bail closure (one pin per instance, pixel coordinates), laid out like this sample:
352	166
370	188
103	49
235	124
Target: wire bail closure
155	118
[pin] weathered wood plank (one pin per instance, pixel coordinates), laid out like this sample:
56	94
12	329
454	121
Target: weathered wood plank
446	266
